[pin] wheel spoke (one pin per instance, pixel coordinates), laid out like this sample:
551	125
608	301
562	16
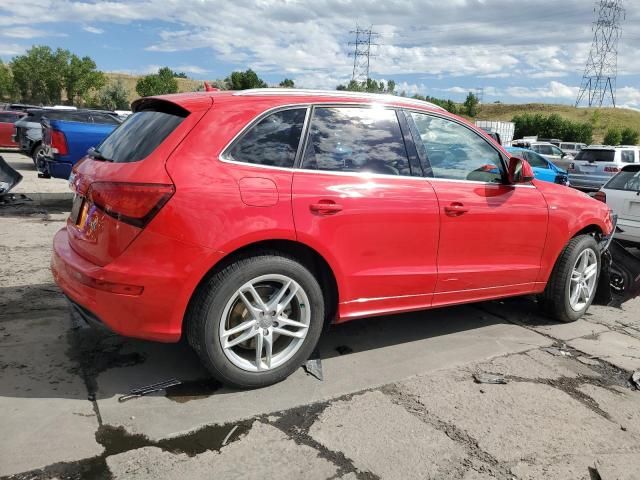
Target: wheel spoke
584	262
585	293
250	307
590	271
273	303
290	323
288	333
575	276
268	348
257	298
259	337
238	328
239	339
575	295
287	300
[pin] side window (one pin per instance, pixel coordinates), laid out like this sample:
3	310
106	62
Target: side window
535	160
556	151
352	139
273	141
456	152
544	149
627	156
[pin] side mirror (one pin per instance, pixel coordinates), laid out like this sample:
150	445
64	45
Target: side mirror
520	171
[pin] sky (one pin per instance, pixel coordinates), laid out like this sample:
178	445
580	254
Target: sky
518	51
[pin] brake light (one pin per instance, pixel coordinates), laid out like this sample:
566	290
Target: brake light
611	169
132	203
59	142
601	196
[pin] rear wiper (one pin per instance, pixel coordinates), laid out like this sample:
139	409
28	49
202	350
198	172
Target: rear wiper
95	153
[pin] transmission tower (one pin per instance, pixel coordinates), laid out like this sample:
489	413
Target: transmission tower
599	79
365	39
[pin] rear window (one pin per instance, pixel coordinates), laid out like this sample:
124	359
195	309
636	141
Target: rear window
628	179
140	134
596	155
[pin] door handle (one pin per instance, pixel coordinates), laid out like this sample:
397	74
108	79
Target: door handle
325	207
455	209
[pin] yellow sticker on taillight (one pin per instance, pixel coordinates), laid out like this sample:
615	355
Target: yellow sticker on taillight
84	211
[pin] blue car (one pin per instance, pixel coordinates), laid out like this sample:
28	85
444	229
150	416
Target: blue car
543	169
67	141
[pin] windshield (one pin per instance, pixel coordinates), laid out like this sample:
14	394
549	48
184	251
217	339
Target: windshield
596	155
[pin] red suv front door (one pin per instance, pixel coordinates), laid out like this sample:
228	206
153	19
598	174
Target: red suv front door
491	234
355	201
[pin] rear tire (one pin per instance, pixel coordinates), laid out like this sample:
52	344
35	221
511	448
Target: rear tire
284	324
38	158
573	281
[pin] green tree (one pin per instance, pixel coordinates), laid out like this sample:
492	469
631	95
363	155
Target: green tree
629	136
39	74
370	86
287	83
471	105
180	75
160	83
244	80
81	76
552	126
391	87
7	85
613	136
113	96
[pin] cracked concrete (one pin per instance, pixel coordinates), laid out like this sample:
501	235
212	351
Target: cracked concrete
399	402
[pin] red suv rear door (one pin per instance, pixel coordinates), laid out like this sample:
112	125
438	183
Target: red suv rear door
356	202
491	234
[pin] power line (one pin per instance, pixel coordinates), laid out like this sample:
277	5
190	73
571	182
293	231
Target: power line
599	78
364	40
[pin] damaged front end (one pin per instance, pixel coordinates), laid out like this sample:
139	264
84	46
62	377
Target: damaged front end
619	279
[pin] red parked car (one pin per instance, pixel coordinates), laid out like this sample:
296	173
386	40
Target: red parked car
247	220
7	119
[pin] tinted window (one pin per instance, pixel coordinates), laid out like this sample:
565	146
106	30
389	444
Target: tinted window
628	156
356	140
457	152
596	155
536	160
273	141
140	135
628	179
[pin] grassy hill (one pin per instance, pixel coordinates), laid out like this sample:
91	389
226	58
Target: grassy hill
600	118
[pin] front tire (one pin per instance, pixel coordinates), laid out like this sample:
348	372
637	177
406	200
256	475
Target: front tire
574	280
256	321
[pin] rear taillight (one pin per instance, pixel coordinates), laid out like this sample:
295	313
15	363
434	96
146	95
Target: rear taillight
572	166
600	195
132	203
58	142
611	169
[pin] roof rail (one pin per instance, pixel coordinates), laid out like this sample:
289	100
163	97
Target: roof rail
335	93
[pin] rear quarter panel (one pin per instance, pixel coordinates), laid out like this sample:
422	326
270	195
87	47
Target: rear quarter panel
570	211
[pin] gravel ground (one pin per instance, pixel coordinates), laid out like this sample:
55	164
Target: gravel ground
398	399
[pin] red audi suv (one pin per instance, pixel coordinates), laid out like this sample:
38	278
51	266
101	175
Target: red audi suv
248	220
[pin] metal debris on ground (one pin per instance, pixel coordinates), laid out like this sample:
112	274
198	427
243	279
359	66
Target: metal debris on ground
313	367
156	387
635	379
226	439
558	352
489	378
9	177
344	349
588	361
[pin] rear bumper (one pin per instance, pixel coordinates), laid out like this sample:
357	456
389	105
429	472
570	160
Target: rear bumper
154	313
628	231
57	169
588	182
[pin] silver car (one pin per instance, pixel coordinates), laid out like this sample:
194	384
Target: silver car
572	148
596	164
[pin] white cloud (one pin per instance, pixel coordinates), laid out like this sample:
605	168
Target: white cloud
28	32
94	30
10	49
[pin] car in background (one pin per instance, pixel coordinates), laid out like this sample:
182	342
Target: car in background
572	148
596	164
542	168
18	107
8	118
65	141
247	221
28	130
622	195
547	150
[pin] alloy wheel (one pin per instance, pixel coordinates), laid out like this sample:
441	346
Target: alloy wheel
264	323
583	279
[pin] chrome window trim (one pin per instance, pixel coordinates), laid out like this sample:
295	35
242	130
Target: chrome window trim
224	155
